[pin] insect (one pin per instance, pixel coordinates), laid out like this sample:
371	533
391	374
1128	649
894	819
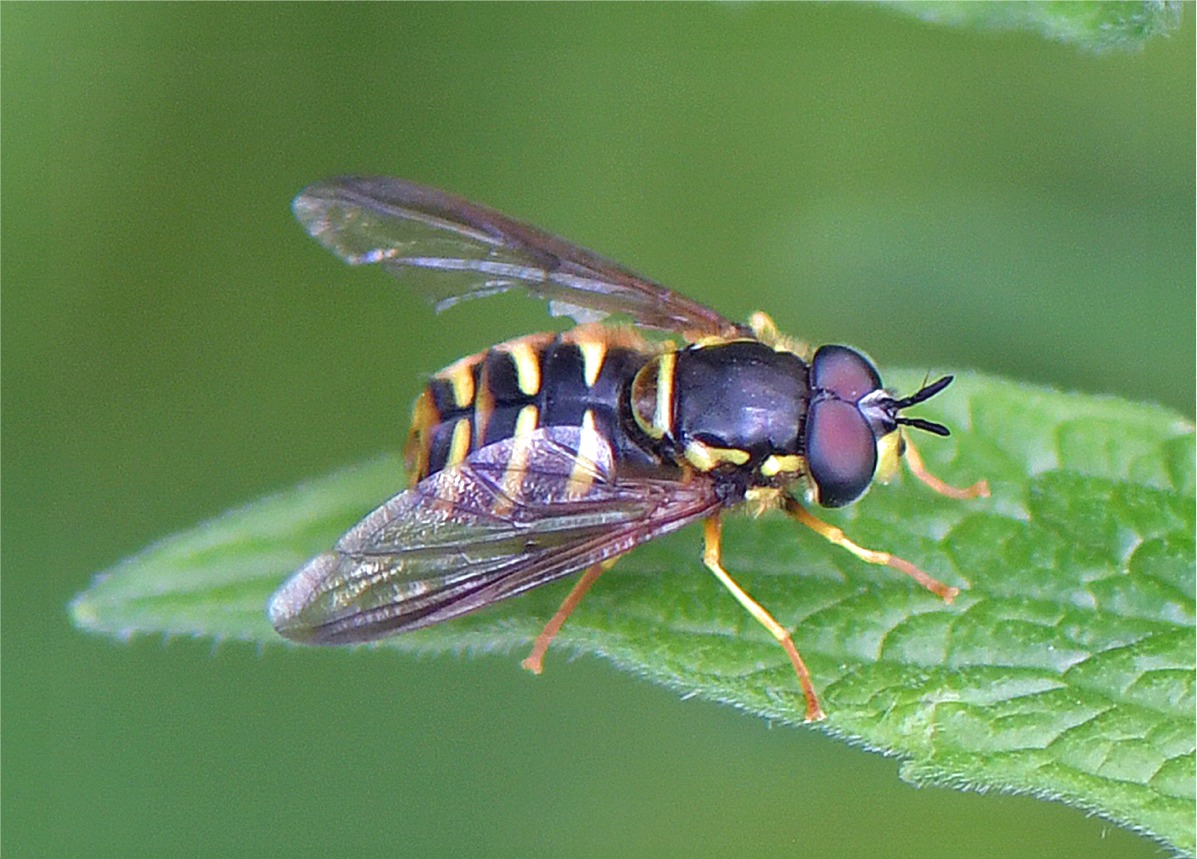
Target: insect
553	454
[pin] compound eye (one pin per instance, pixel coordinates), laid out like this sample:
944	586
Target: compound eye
844	372
841	452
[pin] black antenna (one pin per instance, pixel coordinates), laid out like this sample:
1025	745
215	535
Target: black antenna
923	393
929	426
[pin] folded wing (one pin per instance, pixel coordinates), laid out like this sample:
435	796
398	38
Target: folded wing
515	515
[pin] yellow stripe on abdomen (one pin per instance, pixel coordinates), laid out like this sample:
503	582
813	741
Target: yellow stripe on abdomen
517	465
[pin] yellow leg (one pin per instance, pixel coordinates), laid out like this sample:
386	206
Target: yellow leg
712	532
835	535
535	660
914	462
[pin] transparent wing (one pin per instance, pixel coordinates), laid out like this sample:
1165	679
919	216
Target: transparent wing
480	532
468	251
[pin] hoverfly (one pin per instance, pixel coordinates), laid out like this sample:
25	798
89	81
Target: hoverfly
557	453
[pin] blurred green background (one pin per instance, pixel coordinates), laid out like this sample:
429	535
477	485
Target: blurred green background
173	345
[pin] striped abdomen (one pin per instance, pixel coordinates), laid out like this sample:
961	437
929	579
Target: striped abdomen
578	378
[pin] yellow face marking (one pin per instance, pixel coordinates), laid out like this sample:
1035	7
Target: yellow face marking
776	465
459	445
704	457
581	477
889	455
663	415
593	354
517	465
527	366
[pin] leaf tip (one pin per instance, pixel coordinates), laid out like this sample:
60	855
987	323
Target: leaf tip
83	612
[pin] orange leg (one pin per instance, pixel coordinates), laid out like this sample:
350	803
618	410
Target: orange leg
712	531
535	660
835	535
914	462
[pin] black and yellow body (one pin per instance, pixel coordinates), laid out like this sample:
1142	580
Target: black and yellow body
737	409
733	409
578	379
554	454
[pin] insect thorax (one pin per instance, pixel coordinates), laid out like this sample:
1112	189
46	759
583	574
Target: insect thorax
732	406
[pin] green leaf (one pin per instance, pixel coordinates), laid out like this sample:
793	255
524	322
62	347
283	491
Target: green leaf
1065	668
1094	25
